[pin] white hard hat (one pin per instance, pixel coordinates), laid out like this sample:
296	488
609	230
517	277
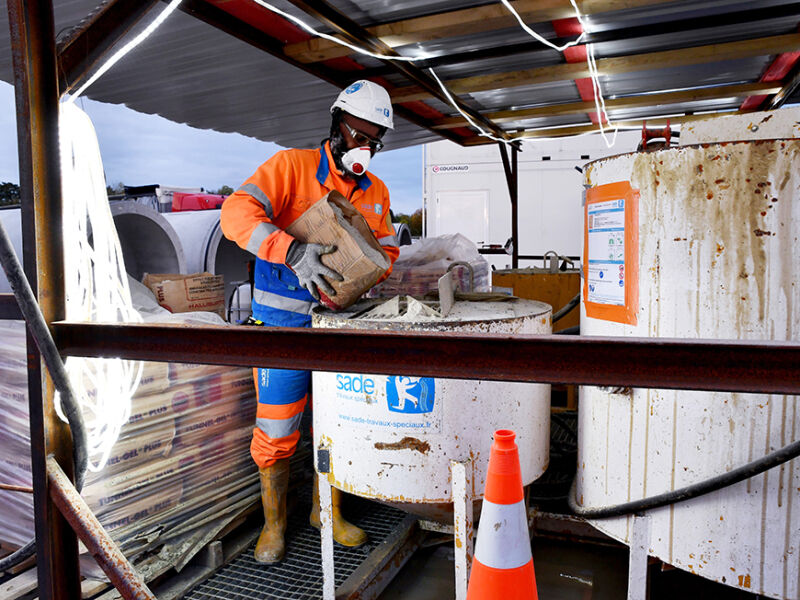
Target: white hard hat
366	100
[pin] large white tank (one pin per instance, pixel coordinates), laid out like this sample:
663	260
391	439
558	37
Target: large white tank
392	438
718	257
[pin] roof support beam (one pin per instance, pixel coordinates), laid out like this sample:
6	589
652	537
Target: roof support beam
226	22
461	22
535	48
95	36
628	102
609	66
325	13
786	92
568	130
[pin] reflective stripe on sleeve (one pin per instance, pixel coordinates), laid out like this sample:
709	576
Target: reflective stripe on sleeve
278	428
260	233
282	302
503	539
389	240
255	191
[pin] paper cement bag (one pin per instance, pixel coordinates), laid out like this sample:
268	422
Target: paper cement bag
359	257
187	293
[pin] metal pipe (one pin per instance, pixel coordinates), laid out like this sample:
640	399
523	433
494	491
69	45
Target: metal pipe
16	488
36	86
107	554
718	365
512	180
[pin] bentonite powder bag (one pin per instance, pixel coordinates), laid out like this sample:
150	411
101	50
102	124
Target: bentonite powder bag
359	257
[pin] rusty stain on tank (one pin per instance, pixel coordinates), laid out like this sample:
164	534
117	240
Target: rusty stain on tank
407	443
744	581
761	232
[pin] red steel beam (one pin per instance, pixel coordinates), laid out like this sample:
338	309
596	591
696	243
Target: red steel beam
722	365
107	554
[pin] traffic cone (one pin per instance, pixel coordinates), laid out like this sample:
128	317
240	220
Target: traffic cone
502	568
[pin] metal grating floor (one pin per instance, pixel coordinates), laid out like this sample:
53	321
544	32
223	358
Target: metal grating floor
299	576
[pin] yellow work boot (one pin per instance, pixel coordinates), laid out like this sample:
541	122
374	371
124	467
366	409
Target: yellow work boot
274	483
345	533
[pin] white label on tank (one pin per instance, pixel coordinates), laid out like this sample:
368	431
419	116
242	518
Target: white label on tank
606	261
397	403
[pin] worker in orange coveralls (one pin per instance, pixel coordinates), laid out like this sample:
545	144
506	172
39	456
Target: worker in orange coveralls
289	276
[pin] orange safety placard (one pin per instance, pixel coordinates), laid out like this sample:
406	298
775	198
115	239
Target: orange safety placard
611	253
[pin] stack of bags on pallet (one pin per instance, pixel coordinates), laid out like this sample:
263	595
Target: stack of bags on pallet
417	270
181	461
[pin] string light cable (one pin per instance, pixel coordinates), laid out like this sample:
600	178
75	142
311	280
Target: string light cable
599	101
325	36
543	40
119	54
96	285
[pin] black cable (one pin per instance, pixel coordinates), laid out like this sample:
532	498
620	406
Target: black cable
47	347
13	559
574	330
713	484
564	310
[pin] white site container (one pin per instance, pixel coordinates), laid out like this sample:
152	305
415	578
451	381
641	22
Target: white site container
392	438
718	257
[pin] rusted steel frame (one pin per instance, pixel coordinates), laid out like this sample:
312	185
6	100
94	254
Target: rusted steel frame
723	365
95	36
245	32
36	87
383	563
9	309
325	13
512	180
100	545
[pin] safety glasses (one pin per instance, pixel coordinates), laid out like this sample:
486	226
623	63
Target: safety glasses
363	139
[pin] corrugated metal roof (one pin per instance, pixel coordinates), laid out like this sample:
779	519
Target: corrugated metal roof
193	73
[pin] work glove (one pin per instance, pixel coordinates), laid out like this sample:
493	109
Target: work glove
304	260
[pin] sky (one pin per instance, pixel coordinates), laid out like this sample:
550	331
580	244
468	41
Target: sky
173	154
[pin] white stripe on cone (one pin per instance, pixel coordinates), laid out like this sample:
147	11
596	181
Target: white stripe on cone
503	539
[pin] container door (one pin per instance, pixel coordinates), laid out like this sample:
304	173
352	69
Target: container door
464	212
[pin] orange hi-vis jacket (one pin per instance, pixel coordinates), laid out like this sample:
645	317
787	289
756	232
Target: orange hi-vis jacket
282	189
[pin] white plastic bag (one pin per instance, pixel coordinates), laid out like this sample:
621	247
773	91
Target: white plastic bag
420	265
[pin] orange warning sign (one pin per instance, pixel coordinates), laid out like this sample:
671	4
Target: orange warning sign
611	253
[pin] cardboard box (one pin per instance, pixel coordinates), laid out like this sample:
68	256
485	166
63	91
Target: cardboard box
359	257
188	293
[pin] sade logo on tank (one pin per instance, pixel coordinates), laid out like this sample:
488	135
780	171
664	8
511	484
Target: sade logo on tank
404	394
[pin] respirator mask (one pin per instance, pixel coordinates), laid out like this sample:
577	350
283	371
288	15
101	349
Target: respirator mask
356	160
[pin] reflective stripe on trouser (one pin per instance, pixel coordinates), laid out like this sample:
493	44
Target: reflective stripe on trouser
282	396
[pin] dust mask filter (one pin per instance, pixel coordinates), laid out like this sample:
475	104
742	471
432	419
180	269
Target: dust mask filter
357	160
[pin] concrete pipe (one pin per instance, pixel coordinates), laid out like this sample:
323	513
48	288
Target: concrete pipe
149	243
207	249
